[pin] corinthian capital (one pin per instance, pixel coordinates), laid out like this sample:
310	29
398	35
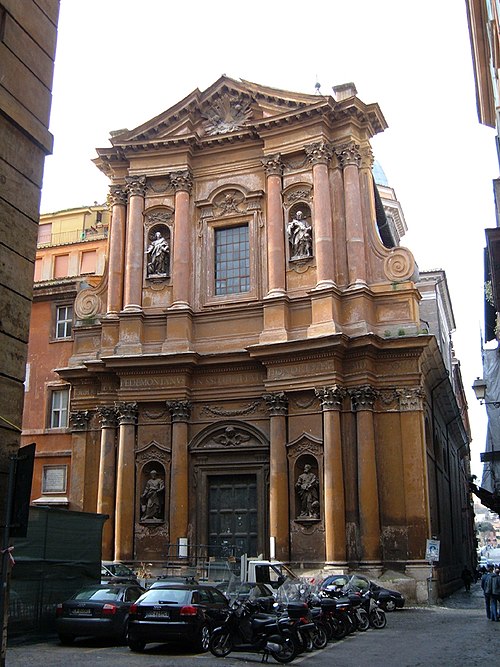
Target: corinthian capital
127	413
107	416
348	154
136	185
331	397
410	398
277	403
117	195
273	165
319	153
182	180
79	420
180	411
363	397
366	157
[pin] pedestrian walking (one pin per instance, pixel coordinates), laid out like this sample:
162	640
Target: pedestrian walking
467	578
495	595
486	586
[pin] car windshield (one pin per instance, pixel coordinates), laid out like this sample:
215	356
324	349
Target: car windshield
98	594
119	570
165	595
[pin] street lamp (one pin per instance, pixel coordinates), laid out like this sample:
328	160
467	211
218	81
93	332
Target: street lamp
479	387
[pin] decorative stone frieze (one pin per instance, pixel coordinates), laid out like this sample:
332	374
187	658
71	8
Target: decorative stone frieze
127	413
182	181
410	398
348	154
180	411
319	152
277	403
107	416
273	165
331	398
363	397
117	195
136	185
159	217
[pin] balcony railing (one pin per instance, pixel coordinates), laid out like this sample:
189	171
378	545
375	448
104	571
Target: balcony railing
74	236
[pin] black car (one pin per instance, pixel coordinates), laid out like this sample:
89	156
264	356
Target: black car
388	599
176	612
101	610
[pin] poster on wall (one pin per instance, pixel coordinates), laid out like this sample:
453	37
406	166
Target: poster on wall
432	551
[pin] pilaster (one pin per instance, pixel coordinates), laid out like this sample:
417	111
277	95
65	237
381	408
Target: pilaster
180	412
107	478
279	513
331	399
363	399
125	482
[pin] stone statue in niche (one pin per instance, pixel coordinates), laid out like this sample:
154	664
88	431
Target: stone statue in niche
307	487
152	497
300	237
158	254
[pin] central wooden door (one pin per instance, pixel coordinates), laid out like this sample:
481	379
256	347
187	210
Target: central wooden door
232	515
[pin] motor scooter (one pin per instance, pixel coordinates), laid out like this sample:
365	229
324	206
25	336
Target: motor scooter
247	629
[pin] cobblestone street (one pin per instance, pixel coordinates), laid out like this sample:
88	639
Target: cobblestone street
454	633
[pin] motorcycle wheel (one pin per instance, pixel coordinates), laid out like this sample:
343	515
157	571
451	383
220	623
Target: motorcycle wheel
378	619
220	644
339	628
362	620
287	652
319	637
306	640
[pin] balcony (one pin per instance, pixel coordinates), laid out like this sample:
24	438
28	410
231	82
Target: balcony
74	236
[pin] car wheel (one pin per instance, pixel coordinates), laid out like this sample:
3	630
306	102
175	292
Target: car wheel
388	605
203	639
66	640
136	645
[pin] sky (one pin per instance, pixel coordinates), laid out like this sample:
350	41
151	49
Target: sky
121	62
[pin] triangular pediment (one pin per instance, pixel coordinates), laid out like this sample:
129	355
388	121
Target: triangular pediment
226	107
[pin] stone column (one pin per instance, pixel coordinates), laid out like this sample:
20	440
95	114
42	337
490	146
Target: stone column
107	478
116	261
319	155
279	520
350	159
275	226
414	469
182	182
363	399
125	482
334	501
79	422
179	493
134	250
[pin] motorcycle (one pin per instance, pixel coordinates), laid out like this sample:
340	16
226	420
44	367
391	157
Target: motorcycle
295	601
247	629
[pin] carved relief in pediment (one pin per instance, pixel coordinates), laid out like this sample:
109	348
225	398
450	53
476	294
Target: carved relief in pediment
226	114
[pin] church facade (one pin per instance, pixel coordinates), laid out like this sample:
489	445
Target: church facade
252	375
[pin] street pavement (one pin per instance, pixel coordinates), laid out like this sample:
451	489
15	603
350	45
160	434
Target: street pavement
454	633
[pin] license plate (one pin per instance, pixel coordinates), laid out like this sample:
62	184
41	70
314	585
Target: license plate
158	614
81	612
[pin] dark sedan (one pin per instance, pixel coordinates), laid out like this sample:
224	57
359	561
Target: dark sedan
388	599
97	611
177	612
